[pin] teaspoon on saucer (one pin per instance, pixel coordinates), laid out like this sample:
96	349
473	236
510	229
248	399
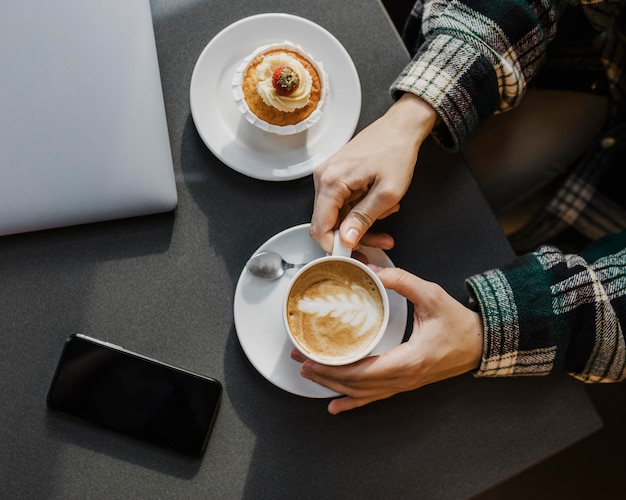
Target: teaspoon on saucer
269	265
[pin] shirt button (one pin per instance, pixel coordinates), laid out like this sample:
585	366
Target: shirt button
608	142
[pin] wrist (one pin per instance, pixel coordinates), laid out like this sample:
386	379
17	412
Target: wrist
412	114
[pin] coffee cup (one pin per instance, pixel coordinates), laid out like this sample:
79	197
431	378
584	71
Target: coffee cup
335	308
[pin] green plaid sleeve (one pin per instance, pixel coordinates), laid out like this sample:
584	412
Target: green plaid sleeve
548	312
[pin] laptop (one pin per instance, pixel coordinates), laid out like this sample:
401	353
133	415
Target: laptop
83	131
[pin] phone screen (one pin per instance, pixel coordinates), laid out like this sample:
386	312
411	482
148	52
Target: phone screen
135	395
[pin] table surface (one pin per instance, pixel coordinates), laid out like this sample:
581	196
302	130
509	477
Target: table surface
163	285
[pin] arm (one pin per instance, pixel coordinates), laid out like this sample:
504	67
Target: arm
550	313
447	340
545	313
464	70
474	58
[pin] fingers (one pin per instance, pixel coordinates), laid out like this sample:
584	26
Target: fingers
391	211
327	207
298	356
352	234
346	403
351	199
342	379
377	204
362	382
378	240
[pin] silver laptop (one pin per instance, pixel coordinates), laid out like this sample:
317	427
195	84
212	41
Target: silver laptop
83	133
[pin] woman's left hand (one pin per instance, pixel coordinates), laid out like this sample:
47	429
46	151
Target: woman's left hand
447	341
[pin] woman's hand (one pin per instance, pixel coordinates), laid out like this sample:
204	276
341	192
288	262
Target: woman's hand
366	179
447	340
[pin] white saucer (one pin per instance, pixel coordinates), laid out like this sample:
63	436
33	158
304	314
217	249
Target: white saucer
239	144
258	319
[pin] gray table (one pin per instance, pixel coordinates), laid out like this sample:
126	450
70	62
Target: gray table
163	286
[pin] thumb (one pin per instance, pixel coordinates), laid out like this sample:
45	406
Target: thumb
361	217
413	288
352	229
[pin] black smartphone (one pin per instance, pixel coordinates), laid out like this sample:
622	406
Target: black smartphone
135	395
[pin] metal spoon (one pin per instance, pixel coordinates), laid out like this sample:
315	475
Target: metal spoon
269	265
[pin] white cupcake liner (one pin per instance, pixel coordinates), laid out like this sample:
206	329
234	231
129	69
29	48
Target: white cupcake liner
312	119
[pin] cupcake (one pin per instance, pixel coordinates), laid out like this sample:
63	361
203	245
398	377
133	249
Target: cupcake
280	89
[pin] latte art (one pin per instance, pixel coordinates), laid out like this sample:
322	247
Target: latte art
335	310
358	309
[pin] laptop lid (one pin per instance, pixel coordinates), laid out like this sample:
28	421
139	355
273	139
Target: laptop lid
83	132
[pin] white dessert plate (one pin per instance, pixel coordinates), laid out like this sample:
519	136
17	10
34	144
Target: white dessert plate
258	318
242	146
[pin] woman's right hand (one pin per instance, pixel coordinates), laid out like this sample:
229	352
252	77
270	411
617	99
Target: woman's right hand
366	179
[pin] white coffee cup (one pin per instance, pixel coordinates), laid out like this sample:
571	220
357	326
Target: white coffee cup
335	308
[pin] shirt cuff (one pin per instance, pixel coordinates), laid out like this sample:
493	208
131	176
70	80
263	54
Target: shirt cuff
457	81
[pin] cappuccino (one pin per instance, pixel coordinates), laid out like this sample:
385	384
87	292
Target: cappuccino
335	311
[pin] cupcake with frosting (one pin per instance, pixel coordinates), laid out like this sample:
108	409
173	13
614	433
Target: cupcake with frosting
280	89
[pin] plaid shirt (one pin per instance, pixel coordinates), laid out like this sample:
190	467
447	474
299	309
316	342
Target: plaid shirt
473	59
547	312
551	313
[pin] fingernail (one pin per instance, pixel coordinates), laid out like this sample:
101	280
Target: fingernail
352	236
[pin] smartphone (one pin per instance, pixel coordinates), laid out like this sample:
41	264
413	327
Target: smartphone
135	395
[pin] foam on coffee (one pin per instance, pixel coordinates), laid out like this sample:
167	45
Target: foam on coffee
334	310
